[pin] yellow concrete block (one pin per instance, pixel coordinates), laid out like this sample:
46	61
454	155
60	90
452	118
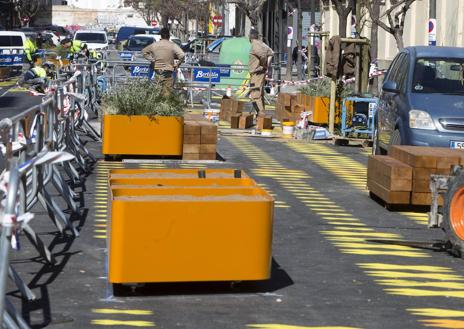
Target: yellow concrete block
142	135
190	234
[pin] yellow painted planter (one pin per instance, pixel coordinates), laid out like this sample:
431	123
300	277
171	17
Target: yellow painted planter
180	228
141	135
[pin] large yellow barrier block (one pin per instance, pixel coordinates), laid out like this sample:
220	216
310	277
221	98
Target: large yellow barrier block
174	233
142	135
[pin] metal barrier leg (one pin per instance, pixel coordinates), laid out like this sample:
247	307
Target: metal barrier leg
8	321
38	244
51	213
22	287
57	211
72	173
15	315
64	190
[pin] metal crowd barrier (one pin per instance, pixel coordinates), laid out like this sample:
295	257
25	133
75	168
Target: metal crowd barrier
200	83
42	148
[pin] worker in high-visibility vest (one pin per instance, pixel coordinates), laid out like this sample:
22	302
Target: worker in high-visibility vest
75	48
30	50
37	76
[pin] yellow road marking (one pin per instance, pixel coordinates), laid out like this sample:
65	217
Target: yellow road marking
425	275
444	323
426	293
116	311
436	312
421	268
105	322
428	284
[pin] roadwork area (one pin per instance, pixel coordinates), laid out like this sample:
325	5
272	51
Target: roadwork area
326	272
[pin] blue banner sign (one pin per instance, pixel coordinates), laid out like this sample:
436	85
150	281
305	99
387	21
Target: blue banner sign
225	70
203	75
141	71
9	60
125	55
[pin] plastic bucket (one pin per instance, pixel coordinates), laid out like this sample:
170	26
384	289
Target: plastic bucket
287	128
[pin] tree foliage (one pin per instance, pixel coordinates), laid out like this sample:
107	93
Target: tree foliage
26	9
395	16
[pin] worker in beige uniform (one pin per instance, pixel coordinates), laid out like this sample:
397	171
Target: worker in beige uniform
260	61
165	57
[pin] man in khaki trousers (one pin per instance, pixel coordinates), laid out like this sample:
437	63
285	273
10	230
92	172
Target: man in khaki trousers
165	57
260	60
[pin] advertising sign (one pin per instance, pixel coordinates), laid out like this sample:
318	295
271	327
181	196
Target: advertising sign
203	75
141	71
10	60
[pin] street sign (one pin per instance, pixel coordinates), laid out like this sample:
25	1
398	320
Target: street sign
290	33
126	55
432	32
154	23
141	71
203	75
217	20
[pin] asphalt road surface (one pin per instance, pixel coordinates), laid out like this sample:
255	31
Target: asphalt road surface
325	274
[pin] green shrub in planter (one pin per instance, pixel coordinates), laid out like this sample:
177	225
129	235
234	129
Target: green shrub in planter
142	97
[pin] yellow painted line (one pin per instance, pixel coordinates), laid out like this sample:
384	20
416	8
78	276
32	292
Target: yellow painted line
425	275
341	218
345	239
101	220
331	214
99	236
426	293
365	229
99	225
107	322
428	284
444	323
372	246
359	234
421	268
436	312
346	223
367	252
99	231
284	326
116	311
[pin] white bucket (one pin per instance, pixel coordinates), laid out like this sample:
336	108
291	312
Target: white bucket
287	129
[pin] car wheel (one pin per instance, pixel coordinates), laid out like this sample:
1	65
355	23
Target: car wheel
395	138
453	214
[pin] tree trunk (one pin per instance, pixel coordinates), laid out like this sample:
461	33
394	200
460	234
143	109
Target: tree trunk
399	39
375	43
289	51
342	20
259	24
299	36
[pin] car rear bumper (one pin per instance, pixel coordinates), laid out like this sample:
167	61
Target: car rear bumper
420	137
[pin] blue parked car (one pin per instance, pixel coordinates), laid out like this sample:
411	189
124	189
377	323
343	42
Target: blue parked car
422	100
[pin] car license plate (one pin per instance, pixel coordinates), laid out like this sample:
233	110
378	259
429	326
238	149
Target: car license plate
456	145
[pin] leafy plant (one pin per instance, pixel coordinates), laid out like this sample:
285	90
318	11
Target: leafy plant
142	97
321	88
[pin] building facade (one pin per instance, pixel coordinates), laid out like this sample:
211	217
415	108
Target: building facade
449	26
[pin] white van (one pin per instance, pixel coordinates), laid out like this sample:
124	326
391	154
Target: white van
95	40
11	44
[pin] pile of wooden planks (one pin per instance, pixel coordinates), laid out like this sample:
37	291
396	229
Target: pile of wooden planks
230	107
200	139
289	107
403	177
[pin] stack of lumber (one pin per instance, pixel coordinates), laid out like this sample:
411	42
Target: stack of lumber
288	107
263	122
200	139
230	107
403	177
241	121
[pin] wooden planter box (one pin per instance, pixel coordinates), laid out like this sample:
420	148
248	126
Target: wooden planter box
142	135
172	234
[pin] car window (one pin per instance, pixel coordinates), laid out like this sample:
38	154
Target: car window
11	41
91	37
402	72
392	68
439	75
140	42
396	69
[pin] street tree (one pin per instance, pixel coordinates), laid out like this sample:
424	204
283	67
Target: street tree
343	9
395	15
253	9
25	10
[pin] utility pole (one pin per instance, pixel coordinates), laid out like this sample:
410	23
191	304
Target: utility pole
311	44
299	38
289	42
